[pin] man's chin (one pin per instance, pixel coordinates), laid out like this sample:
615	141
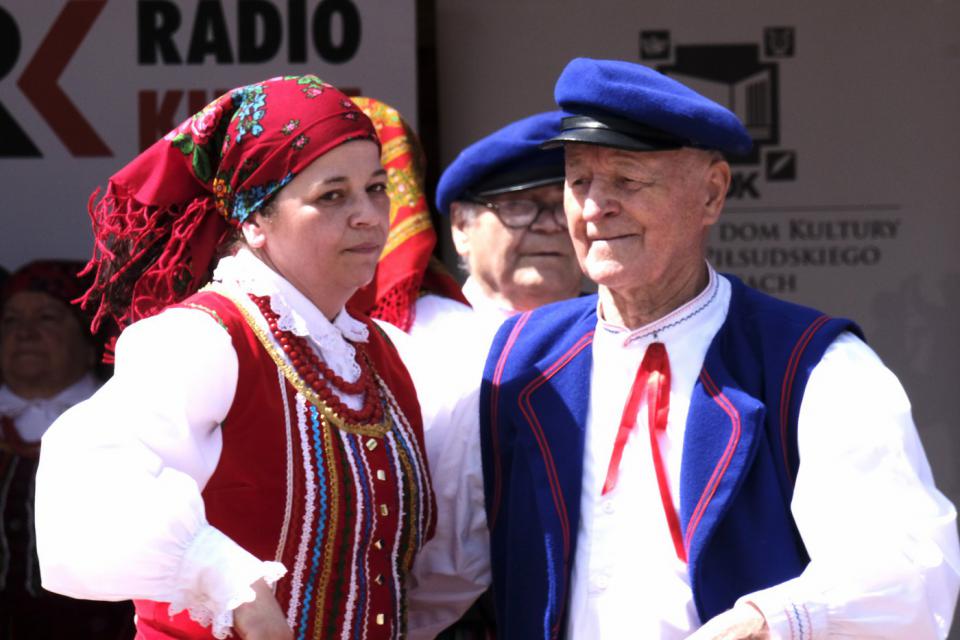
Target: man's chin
609	274
549	282
536	275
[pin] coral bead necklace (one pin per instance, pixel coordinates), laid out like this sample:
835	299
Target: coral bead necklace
321	378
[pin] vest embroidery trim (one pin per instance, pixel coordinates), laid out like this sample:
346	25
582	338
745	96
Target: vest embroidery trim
359	503
376	430
363	520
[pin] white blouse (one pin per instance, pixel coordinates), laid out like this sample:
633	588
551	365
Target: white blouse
444	353
118	507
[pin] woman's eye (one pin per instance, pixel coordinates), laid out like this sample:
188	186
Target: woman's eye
330	196
379	187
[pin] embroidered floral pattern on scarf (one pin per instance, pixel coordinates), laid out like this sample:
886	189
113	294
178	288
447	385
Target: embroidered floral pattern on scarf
163	216
405	270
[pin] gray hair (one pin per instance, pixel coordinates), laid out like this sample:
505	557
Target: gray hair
463	213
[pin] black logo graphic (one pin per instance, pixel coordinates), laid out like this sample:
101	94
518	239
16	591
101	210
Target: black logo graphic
778	42
780	166
654	45
746	79
14	143
734	76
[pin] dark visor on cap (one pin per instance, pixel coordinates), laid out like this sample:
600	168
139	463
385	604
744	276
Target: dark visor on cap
613	131
527	177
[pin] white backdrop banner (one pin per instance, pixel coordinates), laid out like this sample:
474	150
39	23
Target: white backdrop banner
849	200
86	84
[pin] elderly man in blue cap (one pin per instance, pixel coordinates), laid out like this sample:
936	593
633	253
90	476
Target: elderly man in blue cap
681	456
504	194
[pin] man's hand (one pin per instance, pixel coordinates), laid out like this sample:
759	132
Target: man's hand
743	622
261	619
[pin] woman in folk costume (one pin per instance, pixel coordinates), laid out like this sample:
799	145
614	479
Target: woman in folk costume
257	459
48	359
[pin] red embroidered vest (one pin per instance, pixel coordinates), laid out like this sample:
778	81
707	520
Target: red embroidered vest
344	511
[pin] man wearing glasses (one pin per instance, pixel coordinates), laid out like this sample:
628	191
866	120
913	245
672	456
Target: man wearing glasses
505	199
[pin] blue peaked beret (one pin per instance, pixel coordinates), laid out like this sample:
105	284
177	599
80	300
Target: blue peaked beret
510	159
630	106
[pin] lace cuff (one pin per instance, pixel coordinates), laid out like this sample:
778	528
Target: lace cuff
789	615
216	577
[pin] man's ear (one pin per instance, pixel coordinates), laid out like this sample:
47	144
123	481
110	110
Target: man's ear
252	230
458	229
717	184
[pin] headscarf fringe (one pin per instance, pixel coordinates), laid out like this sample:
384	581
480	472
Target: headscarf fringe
397	305
145	257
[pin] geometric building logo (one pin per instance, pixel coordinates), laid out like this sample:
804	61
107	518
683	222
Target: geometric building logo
734	76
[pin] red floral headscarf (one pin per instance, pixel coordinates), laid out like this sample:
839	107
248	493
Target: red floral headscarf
56	278
154	229
406	269
59	279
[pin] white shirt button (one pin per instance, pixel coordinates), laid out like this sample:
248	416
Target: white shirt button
599	583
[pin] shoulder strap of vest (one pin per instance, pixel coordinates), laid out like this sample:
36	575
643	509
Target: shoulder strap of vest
787	341
225	313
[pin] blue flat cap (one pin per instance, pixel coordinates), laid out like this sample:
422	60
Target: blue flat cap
629	106
510	159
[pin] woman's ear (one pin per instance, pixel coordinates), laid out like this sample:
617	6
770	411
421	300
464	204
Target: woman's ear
252	230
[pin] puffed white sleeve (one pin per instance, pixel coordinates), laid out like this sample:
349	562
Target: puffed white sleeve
453	568
882	540
118	507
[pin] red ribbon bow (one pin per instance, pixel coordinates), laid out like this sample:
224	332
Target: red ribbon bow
653	380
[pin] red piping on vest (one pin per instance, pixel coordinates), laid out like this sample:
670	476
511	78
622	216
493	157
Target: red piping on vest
722	464
786	388
494	402
526	408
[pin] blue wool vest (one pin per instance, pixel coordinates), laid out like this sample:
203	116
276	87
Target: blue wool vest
737	473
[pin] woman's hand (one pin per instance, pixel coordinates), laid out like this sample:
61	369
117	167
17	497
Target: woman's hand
263	618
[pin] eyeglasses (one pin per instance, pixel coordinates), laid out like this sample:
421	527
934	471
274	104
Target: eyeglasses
521	214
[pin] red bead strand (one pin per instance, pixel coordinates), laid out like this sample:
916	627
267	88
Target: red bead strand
320	377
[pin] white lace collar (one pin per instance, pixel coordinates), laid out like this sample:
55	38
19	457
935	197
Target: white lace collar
676	318
33	417
244	271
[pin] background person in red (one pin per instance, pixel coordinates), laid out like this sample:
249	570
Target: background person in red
48	359
256	464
